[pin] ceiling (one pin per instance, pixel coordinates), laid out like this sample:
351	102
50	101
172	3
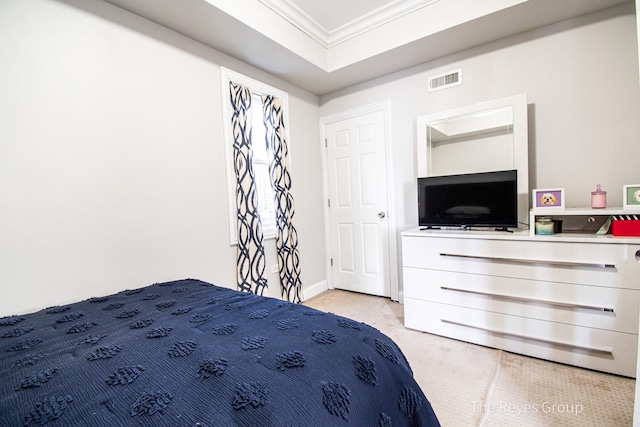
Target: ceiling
325	12
330	45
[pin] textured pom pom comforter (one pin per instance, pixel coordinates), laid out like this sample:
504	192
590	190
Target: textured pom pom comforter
188	353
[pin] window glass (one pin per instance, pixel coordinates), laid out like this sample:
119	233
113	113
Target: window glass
261	159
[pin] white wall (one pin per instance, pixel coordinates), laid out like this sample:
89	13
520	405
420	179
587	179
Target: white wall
111	158
581	79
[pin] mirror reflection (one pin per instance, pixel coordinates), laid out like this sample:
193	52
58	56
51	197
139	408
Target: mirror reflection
476	142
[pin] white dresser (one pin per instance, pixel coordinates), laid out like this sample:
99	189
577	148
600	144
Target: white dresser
570	298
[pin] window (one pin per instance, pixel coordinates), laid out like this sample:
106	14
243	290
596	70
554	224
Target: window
262	158
261	155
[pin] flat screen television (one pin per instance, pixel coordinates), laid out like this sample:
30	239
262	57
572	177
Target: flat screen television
486	199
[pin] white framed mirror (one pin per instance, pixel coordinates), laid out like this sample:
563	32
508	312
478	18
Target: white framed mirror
484	137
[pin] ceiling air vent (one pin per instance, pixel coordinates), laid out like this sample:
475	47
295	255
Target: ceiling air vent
445	80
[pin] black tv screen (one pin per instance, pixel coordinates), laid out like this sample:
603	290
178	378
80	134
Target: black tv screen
487	199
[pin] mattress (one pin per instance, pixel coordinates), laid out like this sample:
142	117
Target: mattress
189	353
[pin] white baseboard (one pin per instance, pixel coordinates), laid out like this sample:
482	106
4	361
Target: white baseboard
314	290
322	286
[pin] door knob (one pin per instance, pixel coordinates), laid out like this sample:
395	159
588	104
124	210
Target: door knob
382	214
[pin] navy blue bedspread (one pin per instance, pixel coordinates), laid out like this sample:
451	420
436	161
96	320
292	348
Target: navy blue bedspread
188	353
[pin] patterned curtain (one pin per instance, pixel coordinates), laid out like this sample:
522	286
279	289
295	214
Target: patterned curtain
286	235
251	260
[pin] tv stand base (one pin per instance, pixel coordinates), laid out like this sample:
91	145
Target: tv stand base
505	229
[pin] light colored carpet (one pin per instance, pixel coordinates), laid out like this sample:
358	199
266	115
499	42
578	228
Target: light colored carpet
470	385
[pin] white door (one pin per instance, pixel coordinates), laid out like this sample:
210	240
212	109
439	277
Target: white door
357	185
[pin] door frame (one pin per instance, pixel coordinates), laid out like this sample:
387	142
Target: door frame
392	261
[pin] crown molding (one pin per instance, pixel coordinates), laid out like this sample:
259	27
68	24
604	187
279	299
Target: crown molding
329	38
299	19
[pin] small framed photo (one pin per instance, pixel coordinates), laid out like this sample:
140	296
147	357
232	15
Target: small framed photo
548	199
631	196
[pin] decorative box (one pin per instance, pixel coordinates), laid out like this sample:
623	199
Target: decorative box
621	226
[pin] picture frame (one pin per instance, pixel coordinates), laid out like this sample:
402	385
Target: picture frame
548	199
631	196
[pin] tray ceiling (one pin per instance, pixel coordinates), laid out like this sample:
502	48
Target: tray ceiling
326	15
326	46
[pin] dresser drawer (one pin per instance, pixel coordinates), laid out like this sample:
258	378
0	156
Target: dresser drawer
591	306
608	351
598	264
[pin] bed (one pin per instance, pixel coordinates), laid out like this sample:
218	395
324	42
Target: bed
189	353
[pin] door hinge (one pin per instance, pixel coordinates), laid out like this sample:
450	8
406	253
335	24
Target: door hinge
328	203
331	262
325	143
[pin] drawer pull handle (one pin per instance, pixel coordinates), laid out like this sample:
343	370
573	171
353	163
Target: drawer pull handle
535	300
532	261
604	349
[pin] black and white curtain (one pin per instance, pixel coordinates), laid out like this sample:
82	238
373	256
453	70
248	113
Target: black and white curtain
250	257
286	235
